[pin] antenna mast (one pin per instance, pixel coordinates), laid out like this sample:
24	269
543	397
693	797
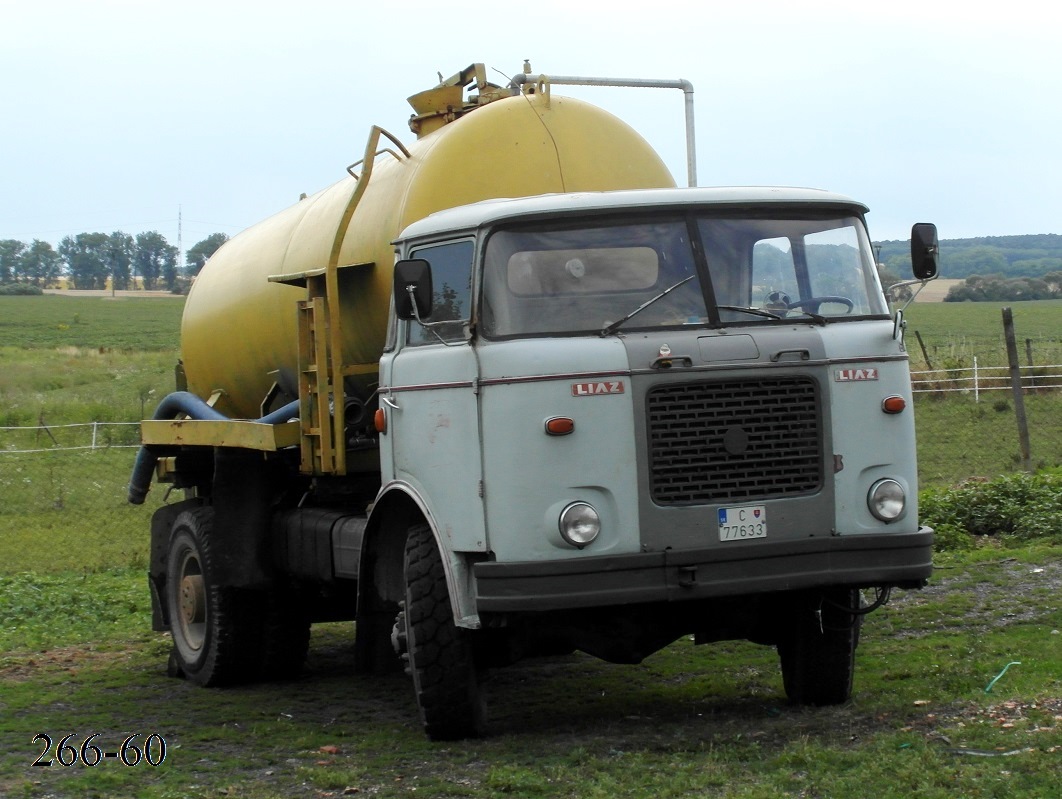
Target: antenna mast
179	249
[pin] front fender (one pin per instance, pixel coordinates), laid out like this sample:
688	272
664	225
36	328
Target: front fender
398	507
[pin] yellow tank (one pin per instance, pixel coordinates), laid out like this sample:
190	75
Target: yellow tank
240	330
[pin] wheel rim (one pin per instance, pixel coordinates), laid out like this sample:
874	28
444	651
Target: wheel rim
191	614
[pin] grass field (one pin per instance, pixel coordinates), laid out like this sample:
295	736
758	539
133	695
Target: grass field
77	655
79	659
955	332
80	359
59	321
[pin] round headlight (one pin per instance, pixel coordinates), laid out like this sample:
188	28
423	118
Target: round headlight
886	500
579	524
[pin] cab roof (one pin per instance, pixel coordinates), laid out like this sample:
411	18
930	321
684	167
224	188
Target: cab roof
486	212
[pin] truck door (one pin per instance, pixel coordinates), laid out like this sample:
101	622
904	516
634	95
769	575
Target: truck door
429	393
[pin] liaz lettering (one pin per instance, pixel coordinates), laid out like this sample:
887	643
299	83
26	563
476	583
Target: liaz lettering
848	375
598	388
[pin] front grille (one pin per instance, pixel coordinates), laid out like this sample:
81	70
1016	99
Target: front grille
736	440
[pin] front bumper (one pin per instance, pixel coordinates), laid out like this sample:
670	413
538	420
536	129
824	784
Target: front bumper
903	561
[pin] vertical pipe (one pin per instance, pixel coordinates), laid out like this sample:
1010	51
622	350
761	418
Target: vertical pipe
630	83
691	137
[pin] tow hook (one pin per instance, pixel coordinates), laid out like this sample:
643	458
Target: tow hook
687	576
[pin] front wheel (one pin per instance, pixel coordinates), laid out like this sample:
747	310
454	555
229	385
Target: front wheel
215	640
817	647
441	655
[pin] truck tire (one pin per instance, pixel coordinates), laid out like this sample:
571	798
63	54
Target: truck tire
216	640
441	656
817	648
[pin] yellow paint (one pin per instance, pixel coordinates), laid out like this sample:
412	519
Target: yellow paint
241	434
238	327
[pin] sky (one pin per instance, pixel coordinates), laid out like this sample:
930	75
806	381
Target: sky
202	117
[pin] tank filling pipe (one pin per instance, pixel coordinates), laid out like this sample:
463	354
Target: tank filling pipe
187	403
630	83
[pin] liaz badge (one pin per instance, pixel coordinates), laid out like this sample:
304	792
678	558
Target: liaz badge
598	388
849	375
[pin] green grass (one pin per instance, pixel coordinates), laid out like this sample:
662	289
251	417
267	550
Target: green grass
960	439
77	654
954	333
68	510
71	385
71	360
81	359
689	721
60	321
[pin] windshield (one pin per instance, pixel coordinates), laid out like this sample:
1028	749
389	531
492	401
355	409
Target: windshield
708	271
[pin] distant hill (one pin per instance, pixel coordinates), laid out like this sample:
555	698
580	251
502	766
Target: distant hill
1008	256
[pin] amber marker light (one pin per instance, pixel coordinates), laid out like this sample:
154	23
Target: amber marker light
893	404
560	426
379	420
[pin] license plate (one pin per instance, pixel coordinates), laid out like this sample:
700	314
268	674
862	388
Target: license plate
741	524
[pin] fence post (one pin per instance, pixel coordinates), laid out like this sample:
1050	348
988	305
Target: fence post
1029	358
94	436
1015	384
929	364
977	385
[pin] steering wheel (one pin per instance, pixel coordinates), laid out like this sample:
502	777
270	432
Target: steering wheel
815	302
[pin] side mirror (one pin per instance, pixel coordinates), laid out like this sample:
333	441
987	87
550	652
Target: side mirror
924	251
413	290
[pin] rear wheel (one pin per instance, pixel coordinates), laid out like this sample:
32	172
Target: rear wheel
817	647
215	638
441	655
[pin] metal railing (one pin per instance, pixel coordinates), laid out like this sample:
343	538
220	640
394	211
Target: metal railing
975	379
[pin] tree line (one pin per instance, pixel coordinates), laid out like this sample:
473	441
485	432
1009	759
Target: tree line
1008	257
90	260
996	288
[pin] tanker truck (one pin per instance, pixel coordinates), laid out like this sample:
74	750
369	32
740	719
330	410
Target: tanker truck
507	392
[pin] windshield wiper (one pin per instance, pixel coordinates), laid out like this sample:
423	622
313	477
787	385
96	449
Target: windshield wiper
817	318
612	328
753	311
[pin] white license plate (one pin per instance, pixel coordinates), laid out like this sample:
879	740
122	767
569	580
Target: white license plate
743	523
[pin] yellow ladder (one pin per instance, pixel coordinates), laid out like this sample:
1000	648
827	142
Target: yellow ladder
318	428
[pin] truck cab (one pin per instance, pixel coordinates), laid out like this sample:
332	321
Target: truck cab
620	418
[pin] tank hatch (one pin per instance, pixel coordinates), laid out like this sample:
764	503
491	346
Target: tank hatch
446	102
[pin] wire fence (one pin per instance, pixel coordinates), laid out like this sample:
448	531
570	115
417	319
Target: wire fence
58	479
977	379
78	436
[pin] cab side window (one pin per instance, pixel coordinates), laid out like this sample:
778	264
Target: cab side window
451	275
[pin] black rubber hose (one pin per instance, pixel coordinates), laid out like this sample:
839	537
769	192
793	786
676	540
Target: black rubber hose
189	404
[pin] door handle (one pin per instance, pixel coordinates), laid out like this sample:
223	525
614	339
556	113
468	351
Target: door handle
803	355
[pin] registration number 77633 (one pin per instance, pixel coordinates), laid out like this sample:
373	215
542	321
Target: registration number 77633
742	523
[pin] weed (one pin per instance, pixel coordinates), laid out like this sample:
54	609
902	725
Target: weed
1017	507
